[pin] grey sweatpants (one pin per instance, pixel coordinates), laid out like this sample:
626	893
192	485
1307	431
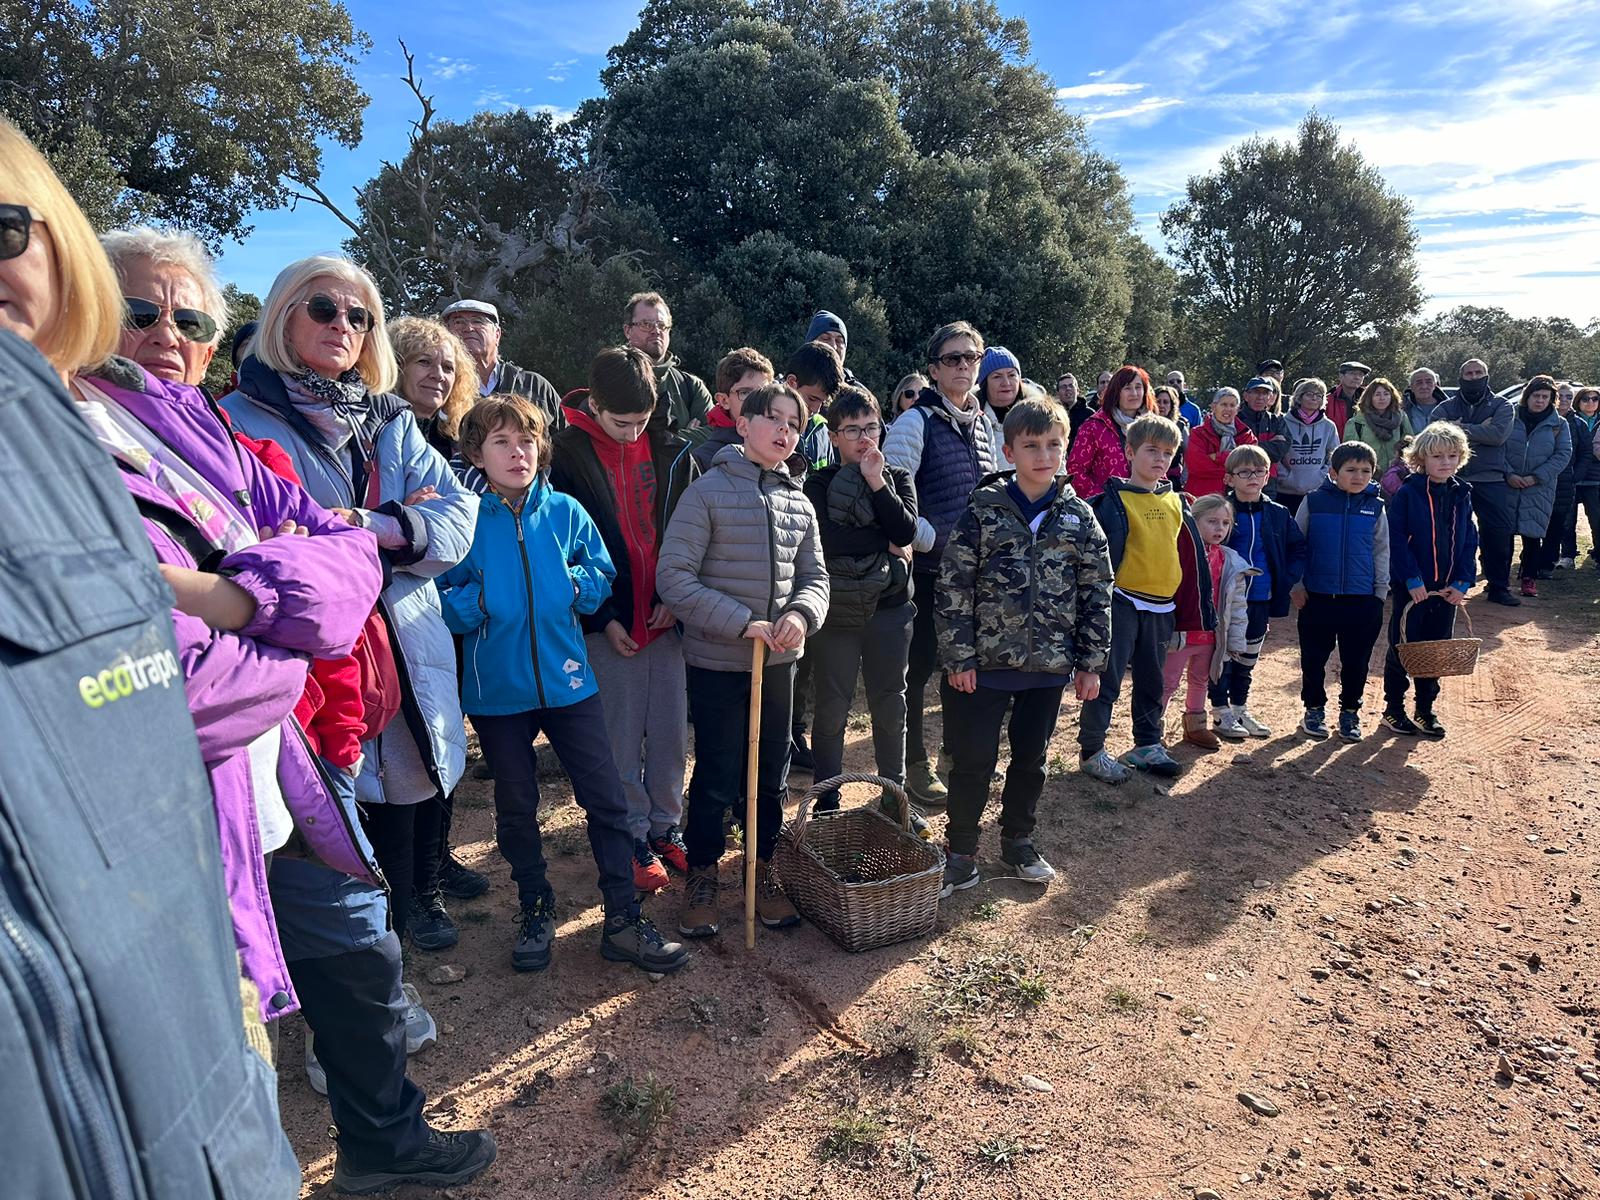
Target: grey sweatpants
647	723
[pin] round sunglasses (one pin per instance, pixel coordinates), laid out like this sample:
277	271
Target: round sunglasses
324	310
190	322
16	228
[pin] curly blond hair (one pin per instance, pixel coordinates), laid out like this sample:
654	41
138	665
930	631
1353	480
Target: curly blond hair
413	337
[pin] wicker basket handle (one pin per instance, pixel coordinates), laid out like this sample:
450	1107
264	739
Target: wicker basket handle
828	785
1410	604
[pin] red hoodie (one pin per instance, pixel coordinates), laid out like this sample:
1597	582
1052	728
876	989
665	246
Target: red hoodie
630	470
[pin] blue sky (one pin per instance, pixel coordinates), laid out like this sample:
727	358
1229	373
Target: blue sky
1484	114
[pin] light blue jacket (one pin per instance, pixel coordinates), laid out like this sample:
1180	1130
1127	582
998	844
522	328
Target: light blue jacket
517	597
424	750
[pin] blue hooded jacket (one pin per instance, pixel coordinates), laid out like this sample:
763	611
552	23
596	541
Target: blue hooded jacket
517	597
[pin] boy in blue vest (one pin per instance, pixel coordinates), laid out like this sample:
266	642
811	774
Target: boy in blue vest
1346	580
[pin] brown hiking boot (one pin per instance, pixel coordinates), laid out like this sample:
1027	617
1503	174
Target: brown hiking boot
699	917
772	907
1197	733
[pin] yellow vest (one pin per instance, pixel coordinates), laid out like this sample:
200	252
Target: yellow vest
1150	567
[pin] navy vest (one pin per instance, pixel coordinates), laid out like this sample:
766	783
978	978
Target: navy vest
947	476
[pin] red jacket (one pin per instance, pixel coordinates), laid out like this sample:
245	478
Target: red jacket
1098	453
1208	461
330	709
1338	409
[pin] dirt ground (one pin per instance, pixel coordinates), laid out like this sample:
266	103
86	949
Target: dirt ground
1392	943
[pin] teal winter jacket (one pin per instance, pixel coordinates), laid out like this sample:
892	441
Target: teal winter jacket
517	597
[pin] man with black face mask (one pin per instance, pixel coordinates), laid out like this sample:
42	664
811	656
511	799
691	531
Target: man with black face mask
1487	420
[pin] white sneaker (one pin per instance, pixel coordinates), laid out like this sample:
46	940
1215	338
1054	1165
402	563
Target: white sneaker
421	1032
1249	724
1225	722
315	1075
1563	564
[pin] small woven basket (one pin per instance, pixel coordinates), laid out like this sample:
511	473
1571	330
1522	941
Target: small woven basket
856	875
1436	659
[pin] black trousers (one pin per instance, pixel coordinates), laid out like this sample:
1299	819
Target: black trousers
1352	623
577	733
1491	506
353	1003
922	664
1232	686
431	841
391	828
719	708
1589	502
1138	642
1533	555
1433	619
974	742
876	653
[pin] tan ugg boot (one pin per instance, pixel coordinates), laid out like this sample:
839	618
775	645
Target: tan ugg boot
1197	733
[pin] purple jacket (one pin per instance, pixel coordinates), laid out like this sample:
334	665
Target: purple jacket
312	596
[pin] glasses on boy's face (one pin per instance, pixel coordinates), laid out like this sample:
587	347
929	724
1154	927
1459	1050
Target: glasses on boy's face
1254	473
966	358
854	433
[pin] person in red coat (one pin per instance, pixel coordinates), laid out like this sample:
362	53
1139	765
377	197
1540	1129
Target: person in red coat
1210	443
1100	450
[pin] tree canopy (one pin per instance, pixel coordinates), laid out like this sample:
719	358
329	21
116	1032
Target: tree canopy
1516	348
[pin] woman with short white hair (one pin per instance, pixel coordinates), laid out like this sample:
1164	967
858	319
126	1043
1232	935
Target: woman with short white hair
320	382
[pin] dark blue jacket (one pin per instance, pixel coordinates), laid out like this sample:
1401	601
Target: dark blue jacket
1347	541
124	1071
945	460
1433	540
1271	540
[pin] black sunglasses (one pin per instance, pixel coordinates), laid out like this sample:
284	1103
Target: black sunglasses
190	322
16	226
323	311
909	394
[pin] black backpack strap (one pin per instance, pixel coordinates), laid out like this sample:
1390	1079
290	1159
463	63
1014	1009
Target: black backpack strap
206	556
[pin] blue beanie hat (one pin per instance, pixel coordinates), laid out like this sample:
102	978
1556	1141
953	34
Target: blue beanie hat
824	321
996	358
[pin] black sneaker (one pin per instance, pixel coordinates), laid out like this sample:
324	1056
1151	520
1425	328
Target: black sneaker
828	802
960	873
1397	721
429	925
1428	726
634	939
536	932
461	882
1349	725
1315	724
444	1160
482	771
800	752
1505	596
1023	857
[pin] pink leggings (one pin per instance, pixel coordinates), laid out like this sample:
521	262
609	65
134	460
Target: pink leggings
1198	660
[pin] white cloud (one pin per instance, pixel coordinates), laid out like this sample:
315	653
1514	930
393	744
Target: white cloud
1096	74
560	115
444	67
1087	91
1146	108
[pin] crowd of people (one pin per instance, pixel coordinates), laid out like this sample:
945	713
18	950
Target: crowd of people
385	531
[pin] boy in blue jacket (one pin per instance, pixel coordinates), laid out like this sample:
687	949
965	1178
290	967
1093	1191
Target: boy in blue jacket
1433	544
537	561
1347	576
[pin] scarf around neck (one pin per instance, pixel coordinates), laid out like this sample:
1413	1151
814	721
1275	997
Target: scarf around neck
1385	424
1123	419
1227	434
336	408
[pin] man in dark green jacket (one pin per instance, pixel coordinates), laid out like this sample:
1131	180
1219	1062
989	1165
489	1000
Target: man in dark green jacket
683	398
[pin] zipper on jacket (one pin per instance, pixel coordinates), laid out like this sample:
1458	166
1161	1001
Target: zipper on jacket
533	625
772	549
80	1098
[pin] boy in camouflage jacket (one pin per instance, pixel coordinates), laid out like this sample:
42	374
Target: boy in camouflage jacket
1023	608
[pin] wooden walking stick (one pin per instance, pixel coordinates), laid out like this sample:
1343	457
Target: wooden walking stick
753	761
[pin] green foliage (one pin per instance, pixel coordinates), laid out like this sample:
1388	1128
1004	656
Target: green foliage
1000	1151
854	1138
1123	1000
638	1108
189	114
983	983
243	307
1296	251
1516	348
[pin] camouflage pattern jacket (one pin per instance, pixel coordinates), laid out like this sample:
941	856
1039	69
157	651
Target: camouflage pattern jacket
1010	599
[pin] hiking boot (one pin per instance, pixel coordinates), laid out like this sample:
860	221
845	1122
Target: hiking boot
1350	725
1428	725
459	881
1020	855
1503	595
1530	588
630	938
421	1032
890	807
1396	721
800	752
1197	733
960	873
1153	760
444	1160
1226	722
698	916
536	932
669	848
648	873
1315	724
925	786
773	908
1248	723
1103	767
429	925
315	1075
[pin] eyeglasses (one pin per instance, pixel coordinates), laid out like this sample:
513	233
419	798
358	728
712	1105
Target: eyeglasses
964	359
652	326
909	394
854	433
1255	473
190	322
16	227
324	311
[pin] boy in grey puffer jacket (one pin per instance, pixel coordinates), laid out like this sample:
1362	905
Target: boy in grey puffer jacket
742	560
